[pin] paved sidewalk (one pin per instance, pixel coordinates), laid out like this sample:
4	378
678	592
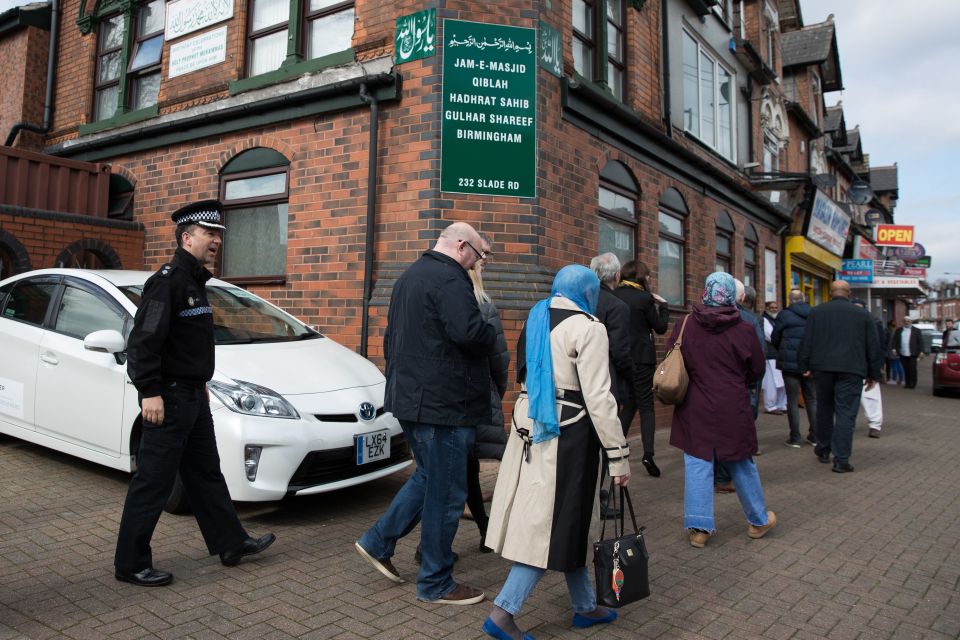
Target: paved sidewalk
872	554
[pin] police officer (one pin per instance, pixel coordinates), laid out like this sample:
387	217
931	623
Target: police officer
170	359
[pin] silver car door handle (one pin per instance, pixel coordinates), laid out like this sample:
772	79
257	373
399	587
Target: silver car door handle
49	359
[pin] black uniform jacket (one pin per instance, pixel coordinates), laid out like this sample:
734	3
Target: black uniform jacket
437	346
172	336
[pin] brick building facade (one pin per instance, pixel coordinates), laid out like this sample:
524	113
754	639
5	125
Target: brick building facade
663	134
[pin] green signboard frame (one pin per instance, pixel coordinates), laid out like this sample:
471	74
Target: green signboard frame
415	37
489	109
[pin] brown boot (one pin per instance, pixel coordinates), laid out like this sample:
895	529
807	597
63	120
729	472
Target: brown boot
698	539
758	532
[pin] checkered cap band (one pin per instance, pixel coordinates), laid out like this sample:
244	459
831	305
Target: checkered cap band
202	217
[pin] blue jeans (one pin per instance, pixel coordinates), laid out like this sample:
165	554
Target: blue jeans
523	578
435	495
838	402
698	492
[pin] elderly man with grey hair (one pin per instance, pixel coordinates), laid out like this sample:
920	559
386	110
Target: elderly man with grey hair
615	316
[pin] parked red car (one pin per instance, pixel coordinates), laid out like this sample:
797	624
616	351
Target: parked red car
946	370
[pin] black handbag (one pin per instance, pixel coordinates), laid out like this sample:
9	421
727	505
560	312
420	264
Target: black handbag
620	563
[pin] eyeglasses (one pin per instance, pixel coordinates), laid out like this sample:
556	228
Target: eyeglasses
480	256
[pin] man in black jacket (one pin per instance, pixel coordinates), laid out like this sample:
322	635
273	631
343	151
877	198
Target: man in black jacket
787	334
615	316
908	343
170	360
840	348
438	386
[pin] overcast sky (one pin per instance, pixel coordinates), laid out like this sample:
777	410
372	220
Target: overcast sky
899	66
902	88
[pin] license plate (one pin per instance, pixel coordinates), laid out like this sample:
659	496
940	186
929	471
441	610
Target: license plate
372	446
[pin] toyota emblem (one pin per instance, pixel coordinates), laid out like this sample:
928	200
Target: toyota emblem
367	411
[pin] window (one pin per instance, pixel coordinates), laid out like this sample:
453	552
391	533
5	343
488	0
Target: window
617	198
670	274
254	190
82	312
325	27
708	98
593	33
724	9
816	99
128	64
750	256
771	153
29	300
725	232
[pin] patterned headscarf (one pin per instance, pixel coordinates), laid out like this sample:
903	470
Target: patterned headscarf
720	290
580	285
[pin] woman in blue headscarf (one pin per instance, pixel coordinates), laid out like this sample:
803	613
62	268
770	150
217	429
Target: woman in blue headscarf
546	489
715	420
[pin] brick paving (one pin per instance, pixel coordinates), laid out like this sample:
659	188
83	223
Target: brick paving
869	555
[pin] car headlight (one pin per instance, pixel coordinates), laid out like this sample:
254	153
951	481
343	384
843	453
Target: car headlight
252	399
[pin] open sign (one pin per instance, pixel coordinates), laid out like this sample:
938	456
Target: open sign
894	235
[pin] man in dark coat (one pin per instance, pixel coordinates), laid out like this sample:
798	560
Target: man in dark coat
908	343
840	349
438	386
786	338
615	316
649	313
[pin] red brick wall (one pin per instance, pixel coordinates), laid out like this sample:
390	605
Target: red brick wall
45	238
23	56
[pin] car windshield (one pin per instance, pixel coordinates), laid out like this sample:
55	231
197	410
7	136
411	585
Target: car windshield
240	317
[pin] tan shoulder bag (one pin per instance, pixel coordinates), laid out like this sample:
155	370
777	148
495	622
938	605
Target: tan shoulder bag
670	379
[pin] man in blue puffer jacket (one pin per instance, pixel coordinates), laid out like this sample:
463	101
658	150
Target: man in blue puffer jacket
787	335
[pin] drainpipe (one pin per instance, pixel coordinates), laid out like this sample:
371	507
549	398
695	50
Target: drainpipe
371	214
665	49
51	63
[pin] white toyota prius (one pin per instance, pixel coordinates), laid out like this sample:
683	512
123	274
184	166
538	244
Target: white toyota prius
295	413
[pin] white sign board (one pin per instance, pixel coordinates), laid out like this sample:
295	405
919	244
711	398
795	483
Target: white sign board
187	16
11	398
205	50
895	282
769	275
828	224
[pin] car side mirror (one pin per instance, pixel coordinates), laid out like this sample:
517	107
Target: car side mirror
106	341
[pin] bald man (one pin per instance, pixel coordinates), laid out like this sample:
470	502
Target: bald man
438	386
840	349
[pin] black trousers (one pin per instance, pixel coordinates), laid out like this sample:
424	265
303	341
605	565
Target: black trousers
909	371
642	401
185	442
838	402
475	495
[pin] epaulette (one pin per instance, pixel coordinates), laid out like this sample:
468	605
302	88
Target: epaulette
166	270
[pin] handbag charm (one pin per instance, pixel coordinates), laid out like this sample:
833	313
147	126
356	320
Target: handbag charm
617	574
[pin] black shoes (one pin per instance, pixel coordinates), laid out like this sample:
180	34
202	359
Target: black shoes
149	577
249	547
650	466
795	443
812	439
842	467
823	456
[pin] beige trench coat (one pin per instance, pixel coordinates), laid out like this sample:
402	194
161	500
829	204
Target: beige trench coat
521	518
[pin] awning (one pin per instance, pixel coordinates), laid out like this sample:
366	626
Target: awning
894	287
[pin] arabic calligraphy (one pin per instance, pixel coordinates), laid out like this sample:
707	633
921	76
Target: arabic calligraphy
500	44
416	36
187	16
551	50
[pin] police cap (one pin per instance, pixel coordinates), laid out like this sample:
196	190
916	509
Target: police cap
206	213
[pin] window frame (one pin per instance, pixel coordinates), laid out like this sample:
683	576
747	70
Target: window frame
678	240
99	87
750	267
245	203
598	43
617	217
298	32
137	39
705	52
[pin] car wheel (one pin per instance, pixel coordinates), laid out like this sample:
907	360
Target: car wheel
177	503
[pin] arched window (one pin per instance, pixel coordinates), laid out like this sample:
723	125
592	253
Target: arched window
725	233
89	254
617	199
13	256
254	188
671	274
750	242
